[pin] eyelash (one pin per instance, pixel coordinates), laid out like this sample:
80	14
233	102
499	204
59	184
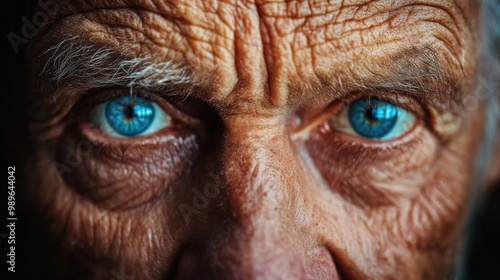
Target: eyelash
98	97
321	123
93	99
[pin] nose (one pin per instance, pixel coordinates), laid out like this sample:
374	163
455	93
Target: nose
243	258
265	232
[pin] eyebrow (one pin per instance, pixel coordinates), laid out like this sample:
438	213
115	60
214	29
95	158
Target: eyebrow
83	64
416	71
420	72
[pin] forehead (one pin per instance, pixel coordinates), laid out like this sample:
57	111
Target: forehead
275	48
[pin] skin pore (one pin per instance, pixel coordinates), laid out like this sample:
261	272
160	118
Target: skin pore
251	95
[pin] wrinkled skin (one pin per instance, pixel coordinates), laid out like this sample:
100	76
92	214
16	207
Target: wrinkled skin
296	200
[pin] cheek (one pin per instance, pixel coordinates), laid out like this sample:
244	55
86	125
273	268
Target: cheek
71	219
434	217
373	176
122	178
399	211
437	210
423	230
98	241
113	205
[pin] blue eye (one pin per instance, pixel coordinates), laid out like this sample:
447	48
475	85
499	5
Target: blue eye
129	116
374	119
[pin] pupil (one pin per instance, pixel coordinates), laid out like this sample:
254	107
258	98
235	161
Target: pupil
129	112
372	118
129	116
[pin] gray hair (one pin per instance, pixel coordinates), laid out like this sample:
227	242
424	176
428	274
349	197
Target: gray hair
83	64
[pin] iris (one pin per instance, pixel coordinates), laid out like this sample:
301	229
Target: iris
129	116
372	118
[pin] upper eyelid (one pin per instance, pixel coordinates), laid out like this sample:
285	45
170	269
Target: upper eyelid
402	100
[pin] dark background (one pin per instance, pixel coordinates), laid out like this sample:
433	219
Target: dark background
11	89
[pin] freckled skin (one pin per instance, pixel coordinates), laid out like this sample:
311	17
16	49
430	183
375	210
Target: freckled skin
324	207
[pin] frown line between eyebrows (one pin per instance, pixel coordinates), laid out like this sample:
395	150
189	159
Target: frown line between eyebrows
416	71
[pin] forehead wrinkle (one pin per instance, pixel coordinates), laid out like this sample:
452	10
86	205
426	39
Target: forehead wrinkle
338	56
277	66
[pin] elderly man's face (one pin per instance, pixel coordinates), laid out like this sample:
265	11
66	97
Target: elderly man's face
267	140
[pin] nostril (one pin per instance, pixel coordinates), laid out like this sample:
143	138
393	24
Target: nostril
318	265
321	265
188	263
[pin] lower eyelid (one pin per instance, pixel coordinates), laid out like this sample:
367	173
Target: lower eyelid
95	136
327	131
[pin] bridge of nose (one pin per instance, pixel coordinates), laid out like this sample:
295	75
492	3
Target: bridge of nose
264	232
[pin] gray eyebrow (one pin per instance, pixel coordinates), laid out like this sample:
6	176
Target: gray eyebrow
421	72
78	63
